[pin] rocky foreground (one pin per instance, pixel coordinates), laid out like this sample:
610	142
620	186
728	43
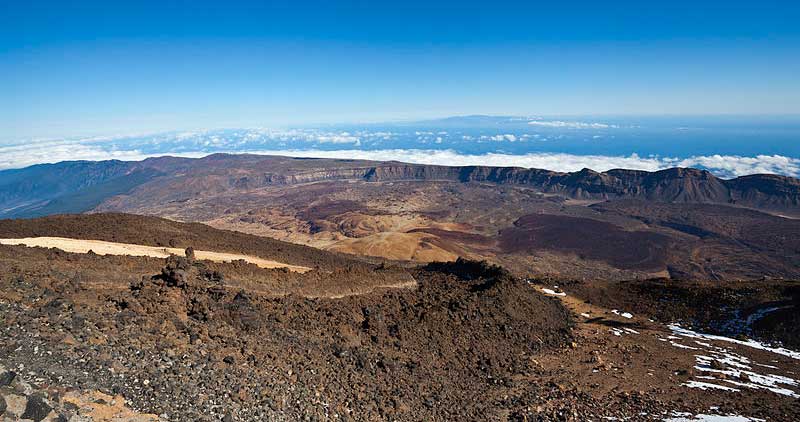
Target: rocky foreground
185	346
471	342
90	337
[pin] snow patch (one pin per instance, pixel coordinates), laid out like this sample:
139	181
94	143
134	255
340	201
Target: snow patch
622	314
553	292
708	386
740	374
723	366
688	417
683	346
677	329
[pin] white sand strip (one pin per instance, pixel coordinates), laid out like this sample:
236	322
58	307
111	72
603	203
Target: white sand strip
101	247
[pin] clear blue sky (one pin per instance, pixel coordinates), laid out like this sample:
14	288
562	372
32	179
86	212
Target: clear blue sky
83	67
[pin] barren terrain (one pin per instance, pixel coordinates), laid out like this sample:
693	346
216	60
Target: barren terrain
617	225
177	338
288	289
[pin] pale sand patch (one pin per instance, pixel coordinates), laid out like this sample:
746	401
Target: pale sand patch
393	245
103	407
101	247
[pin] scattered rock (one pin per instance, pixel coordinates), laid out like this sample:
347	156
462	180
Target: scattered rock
7	377
37	408
190	253
15	405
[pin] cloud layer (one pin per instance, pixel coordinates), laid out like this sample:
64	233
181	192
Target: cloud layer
559	124
423	147
721	165
17	156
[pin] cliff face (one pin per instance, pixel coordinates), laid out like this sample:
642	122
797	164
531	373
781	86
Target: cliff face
678	185
222	172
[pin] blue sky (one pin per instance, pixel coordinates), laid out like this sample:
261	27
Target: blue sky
72	68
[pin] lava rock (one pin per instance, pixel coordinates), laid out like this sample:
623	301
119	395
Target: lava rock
6	378
37	408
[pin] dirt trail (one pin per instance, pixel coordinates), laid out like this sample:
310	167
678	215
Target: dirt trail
113	248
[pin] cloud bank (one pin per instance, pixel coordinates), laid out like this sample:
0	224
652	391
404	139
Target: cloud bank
17	156
559	124
492	147
722	165
727	166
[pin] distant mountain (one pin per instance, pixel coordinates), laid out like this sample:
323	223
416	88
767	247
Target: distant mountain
79	186
508	122
70	186
475	120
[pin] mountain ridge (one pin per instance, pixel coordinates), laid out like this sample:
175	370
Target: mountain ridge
19	187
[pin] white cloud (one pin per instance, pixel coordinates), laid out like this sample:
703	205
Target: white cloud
570	125
740	166
557	162
308	135
500	138
723	166
18	156
337	139
22	155
55	151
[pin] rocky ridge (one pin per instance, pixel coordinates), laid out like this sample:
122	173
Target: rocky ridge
223	172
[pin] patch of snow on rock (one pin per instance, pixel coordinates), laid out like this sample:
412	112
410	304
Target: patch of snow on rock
683	346
723	366
677	329
708	386
688	417
622	314
553	292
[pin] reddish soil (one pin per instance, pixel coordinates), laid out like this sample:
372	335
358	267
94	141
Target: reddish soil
457	236
589	239
326	210
468	341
